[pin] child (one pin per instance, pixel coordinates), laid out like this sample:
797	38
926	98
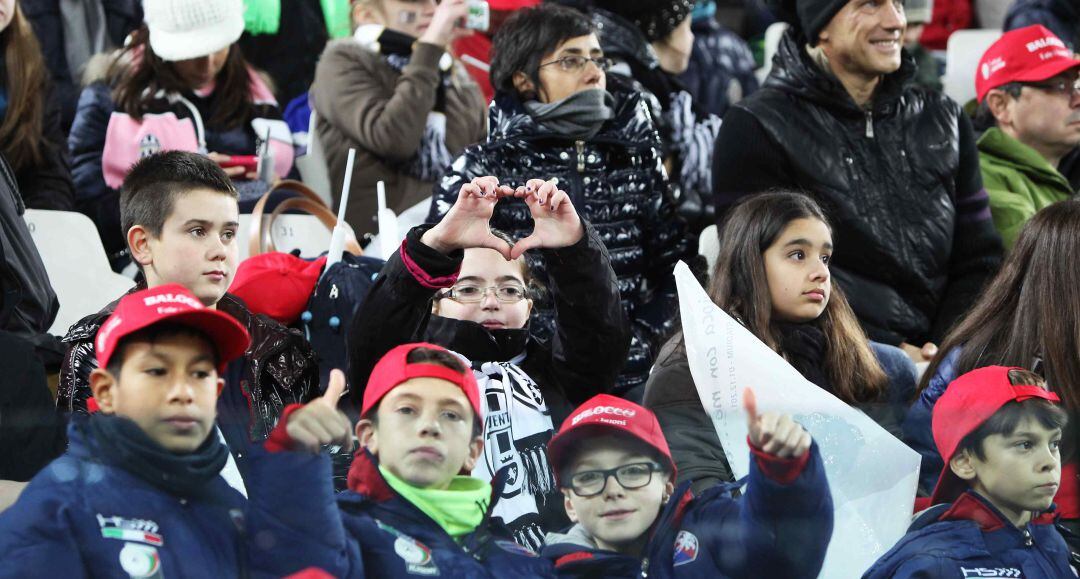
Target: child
179	214
1001	432
138	493
773	276
409	509
618	479
453	284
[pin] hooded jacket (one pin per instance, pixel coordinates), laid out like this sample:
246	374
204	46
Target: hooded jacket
84	517
1019	180
549	378
617	183
899	182
778	528
971	538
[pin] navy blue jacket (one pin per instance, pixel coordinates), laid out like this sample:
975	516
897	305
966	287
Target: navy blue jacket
970	538
918	426
773	530
82	517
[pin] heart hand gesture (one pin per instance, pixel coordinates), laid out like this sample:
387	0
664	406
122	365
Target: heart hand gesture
555	221
466	224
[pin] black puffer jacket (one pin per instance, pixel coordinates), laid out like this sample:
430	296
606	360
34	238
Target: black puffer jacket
278	369
617	183
899	181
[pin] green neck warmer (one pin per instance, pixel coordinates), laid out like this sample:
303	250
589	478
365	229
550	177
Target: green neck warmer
458	509
264	17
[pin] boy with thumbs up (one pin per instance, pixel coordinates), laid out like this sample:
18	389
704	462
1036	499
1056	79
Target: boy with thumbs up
616	473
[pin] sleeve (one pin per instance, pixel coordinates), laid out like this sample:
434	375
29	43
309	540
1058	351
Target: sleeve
50	185
745	161
918	431
351	97
592	333
37	538
977	250
917	567
73	387
398	307
471	164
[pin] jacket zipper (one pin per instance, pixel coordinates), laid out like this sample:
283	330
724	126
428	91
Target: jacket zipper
869	124
580	145
644	568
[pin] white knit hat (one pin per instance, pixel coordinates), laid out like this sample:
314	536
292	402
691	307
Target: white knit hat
184	29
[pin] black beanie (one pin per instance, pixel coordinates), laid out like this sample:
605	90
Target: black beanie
655	18
814	15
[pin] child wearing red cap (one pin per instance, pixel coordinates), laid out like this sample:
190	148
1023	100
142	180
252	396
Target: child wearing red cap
1000	432
138	492
617	476
411	508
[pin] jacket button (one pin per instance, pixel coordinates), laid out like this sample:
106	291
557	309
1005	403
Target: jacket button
564	155
849	160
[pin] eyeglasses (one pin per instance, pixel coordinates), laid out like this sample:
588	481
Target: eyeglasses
577	63
508	293
1067	87
589	483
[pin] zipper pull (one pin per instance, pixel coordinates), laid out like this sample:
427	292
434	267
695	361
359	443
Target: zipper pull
580	155
644	568
869	124
1028	541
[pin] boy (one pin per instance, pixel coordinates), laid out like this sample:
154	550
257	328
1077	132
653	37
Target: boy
409	509
179	212
138	493
1000	434
616	472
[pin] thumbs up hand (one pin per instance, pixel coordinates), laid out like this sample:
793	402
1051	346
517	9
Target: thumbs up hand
775	434
320	422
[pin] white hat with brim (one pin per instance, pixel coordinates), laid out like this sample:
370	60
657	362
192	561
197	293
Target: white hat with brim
186	29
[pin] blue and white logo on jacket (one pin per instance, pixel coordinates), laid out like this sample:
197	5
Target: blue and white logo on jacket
686	548
415	555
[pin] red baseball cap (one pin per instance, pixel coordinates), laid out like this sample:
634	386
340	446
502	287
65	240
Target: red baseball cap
1029	54
606	414
171	303
967	403
393	369
277	284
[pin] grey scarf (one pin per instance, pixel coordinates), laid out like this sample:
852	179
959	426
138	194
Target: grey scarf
578	116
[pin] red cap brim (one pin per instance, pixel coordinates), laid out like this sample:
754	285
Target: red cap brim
1037	74
558	445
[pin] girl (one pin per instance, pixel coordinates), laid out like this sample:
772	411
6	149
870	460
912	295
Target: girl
460	285
30	135
395	94
1027	317
773	276
180	83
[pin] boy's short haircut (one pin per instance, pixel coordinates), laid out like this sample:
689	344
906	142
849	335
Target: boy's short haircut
153	184
1006	419
527	36
442	358
152	334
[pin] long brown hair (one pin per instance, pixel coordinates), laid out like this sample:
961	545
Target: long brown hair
21	131
1029	315
136	80
739	286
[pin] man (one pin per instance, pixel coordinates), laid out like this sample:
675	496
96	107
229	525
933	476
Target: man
1026	86
895	167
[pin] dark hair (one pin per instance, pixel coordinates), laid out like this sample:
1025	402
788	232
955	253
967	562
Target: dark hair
439	358
740	287
1027	314
984	117
21	130
153	184
1008	417
153	334
528	36
137	78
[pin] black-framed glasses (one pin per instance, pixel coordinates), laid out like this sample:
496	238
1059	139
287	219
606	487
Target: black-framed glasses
467	293
1067	87
577	63
589	483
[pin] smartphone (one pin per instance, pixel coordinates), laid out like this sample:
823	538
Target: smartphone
478	16
249	162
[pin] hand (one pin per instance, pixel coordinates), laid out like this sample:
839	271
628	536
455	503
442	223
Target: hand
775	434
466	224
555	221
917	354
319	422
445	23
236	172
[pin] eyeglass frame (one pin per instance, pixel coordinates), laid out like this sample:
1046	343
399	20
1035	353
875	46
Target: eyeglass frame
602	62
1059	87
448	293
613	473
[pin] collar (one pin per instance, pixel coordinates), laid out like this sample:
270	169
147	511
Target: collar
1022	157
476	342
972	507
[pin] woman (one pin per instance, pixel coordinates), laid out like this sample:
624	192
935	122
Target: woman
460	285
396	95
553	116
181	83
30	135
772	275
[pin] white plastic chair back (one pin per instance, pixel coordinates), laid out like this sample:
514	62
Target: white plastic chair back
962	56
709	245
312	166
77	264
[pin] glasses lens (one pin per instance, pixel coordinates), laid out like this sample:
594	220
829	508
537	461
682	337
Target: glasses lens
510	293
468	293
604	63
633	476
588	483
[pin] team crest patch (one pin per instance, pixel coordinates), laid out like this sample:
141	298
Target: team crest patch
416	555
140	561
512	547
139	530
686	548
